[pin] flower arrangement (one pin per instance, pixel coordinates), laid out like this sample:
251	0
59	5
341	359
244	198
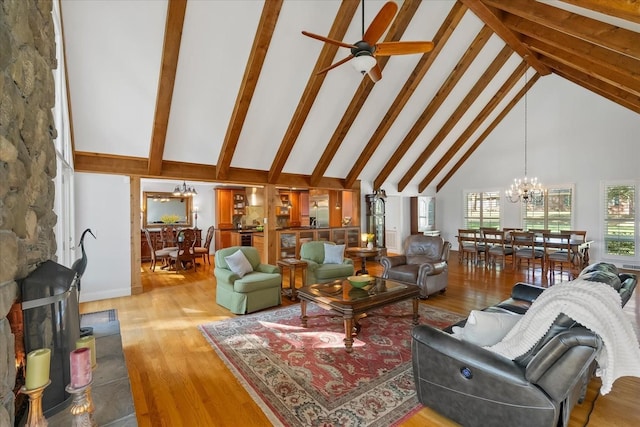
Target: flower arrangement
370	237
169	219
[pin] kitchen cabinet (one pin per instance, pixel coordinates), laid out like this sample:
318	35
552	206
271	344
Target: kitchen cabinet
290	240
224	209
223	239
231	204
239	203
258	243
287	242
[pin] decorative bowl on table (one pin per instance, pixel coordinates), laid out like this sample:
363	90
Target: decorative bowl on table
360	281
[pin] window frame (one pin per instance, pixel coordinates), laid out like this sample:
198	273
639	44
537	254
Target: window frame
481	221
64	200
546	220
633	258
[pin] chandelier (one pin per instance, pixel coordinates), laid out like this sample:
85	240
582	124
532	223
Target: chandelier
183	190
526	189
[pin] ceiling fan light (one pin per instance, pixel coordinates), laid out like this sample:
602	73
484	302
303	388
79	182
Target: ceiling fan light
363	63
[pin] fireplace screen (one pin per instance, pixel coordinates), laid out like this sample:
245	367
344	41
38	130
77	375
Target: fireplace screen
52	320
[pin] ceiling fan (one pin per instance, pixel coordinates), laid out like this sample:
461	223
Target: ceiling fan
363	53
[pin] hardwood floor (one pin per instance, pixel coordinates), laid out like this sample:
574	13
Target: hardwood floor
178	380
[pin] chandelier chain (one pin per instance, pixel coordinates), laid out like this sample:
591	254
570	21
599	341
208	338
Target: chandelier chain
525	122
527	190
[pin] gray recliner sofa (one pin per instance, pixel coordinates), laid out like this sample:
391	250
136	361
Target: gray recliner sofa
476	387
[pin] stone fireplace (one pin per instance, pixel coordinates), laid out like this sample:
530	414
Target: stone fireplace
27	168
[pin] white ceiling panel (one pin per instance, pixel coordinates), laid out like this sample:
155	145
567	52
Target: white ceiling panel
113	51
216	43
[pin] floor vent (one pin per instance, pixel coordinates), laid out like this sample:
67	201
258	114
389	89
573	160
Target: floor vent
631	266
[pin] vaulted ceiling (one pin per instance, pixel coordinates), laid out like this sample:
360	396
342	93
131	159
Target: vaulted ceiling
228	91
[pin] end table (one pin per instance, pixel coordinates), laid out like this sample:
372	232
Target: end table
292	264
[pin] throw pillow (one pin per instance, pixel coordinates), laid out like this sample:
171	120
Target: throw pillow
333	254
238	263
485	328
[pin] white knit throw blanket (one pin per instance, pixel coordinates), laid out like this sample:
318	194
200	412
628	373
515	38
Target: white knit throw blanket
592	304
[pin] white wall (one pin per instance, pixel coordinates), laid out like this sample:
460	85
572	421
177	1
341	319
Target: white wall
574	136
102	204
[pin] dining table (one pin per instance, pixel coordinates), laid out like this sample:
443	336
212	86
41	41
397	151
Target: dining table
579	248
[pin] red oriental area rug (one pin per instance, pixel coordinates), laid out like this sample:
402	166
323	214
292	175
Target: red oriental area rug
304	377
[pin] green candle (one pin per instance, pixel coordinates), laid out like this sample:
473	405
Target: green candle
38	365
89	342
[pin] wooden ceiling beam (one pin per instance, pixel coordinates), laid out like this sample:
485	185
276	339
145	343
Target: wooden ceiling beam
400	24
477	121
624	9
580	63
261	42
490	18
338	30
614	61
170	52
615	94
110	164
441	95
600	33
484	80
486	133
137	166
420	70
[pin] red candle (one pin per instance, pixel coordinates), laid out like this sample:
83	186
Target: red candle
80	367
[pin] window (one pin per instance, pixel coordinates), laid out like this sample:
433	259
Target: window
64	204
482	209
426	213
553	211
620	221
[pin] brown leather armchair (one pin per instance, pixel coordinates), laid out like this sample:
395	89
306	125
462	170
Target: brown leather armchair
425	263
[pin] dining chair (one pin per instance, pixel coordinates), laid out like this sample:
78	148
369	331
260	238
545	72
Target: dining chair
508	231
468	245
558	253
156	254
168	236
496	247
203	251
184	253
524	246
578	236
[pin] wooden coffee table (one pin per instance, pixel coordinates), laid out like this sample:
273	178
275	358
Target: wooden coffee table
353	303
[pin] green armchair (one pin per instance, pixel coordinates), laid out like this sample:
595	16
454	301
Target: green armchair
319	272
258	289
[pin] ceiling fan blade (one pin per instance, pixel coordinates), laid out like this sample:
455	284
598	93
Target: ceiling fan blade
327	40
402	48
375	73
332	66
380	23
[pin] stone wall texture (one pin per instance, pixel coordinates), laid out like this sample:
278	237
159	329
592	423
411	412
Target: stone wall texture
27	162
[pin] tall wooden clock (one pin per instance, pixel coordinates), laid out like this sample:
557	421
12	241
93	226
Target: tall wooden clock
375	217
